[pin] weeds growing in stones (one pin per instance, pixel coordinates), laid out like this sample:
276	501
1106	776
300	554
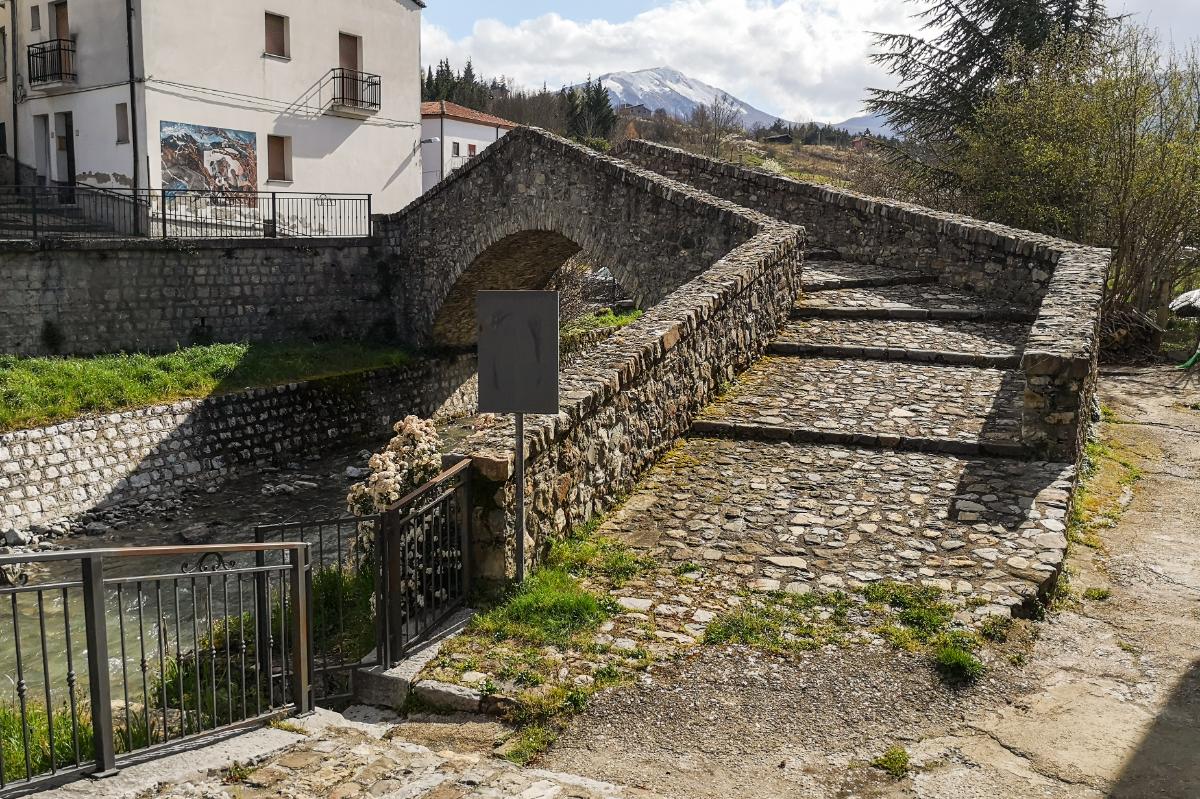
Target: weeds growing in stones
549	608
1097	594
894	761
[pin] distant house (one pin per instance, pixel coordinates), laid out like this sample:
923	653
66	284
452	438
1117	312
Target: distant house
779	138
452	134
640	111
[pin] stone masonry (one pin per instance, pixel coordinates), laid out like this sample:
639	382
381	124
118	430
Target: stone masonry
915	332
152	295
52	473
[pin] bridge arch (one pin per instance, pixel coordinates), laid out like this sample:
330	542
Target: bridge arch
512	217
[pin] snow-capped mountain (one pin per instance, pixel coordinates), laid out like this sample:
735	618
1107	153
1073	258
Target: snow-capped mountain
674	92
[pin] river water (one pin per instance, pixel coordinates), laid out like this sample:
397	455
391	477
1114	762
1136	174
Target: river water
313	490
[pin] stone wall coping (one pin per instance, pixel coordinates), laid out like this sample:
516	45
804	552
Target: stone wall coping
178	245
1065	327
618	362
675	192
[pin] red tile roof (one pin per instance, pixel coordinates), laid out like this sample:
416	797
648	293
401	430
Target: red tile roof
445	108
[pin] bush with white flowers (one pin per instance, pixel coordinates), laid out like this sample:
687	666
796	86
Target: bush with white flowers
410	460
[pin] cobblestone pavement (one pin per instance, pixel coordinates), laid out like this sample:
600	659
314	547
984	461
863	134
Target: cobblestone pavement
824	275
999	339
778	516
921	298
877	398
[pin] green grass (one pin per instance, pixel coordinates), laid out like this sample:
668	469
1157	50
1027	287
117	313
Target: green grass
996	628
582	554
604	321
894	761
551	607
1097	594
40	391
529	742
782	623
956	664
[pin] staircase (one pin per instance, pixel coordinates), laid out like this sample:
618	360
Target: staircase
52	218
878	439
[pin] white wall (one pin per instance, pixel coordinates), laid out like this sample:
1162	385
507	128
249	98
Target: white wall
101	61
205	66
451	131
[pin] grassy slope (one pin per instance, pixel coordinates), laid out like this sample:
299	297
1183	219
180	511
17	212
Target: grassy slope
38	391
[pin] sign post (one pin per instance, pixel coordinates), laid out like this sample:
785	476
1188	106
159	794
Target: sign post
518	370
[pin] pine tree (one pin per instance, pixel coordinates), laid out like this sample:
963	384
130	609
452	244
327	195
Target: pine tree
946	76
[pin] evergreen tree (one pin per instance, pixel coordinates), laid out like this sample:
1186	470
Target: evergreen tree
946	76
589	110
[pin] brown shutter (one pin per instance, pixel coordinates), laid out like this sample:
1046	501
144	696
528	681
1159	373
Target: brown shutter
276	158
276	35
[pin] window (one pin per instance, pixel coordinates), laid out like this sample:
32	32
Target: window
456	149
35	18
279	158
277	36
471	150
3	138
3	54
122	123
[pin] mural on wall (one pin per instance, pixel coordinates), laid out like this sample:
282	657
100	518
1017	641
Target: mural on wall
208	159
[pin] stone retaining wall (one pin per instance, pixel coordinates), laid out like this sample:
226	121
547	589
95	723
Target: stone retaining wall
57	472
1062	282
153	295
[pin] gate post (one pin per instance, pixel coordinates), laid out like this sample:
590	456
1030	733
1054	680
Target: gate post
96	628
301	633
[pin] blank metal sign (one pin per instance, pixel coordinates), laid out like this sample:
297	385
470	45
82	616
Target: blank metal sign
518	351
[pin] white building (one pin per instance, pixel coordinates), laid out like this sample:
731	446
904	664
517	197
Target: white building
453	134
281	95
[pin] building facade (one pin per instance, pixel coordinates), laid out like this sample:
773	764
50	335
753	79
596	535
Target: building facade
452	134
282	95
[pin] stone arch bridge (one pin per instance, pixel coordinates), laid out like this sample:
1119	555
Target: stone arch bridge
857	299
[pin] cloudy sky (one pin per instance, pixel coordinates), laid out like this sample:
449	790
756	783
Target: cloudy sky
800	59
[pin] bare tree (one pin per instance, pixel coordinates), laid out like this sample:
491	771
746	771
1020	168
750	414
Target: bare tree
715	124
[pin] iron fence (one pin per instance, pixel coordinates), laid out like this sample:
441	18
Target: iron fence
423	554
169	651
52	61
78	211
342	622
354	89
71	211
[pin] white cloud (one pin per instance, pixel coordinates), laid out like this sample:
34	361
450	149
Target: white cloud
800	59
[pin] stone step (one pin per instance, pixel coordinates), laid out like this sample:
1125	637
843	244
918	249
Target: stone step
908	406
831	275
995	345
800	517
923	301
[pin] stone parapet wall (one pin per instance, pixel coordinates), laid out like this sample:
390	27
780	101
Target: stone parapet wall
151	295
58	472
1062	282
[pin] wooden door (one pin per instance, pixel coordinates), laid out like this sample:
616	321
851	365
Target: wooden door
62	22
351	88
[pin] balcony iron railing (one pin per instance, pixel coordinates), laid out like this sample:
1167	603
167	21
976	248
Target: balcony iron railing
359	90
52	61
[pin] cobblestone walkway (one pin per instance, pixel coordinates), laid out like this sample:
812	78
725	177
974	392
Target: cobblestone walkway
870	449
350	760
882	402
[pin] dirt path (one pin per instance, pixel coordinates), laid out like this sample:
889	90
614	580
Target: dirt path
1108	705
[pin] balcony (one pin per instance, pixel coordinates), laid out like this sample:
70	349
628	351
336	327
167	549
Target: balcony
52	62
357	92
